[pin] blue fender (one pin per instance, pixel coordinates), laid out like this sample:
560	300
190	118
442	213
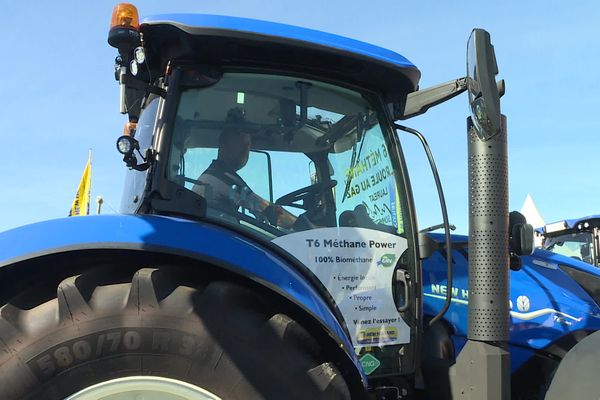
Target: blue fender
202	241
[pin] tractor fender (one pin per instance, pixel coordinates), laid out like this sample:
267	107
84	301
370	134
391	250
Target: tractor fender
577	373
200	241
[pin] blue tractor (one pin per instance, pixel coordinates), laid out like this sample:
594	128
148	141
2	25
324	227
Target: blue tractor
268	246
554	304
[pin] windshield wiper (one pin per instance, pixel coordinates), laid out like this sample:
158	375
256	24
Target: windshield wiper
355	157
436	227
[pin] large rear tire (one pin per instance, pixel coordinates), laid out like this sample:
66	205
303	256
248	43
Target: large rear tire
215	335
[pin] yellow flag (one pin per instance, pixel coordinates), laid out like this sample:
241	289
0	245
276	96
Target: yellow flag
81	204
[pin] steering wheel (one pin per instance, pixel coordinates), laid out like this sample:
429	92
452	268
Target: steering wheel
306	195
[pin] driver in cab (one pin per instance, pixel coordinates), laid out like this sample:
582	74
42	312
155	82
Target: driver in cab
225	190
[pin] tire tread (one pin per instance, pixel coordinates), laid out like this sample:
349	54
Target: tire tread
246	346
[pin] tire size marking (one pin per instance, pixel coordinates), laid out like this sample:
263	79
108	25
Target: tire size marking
107	343
132	341
63	356
82	350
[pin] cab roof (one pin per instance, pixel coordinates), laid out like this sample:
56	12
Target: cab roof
568	224
232	41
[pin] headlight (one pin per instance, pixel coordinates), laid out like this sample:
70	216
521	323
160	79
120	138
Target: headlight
133	67
126	144
139	55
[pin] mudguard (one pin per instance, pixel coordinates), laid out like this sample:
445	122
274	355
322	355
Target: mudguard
201	241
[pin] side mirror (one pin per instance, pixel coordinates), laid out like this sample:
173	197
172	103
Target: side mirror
484	96
520	234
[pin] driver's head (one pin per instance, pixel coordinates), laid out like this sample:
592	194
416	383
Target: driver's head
234	148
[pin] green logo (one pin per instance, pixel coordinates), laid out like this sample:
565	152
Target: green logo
369	363
387	260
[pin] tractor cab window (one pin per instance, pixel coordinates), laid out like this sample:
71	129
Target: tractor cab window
577	245
278	154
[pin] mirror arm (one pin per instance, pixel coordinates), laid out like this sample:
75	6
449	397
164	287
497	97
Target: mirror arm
420	101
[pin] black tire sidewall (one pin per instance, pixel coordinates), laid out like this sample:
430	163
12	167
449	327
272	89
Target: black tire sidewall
76	357
227	348
99	351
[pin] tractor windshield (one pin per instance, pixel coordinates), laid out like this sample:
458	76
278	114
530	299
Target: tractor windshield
578	245
278	154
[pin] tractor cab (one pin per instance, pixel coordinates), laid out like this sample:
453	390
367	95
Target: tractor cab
576	238
283	136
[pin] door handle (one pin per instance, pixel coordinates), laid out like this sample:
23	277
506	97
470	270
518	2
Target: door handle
403	278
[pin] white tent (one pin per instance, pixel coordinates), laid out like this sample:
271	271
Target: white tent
531	212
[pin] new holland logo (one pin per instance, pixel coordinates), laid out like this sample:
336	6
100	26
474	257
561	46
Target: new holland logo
523	303
387	260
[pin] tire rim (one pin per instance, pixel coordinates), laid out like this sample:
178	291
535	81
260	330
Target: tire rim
143	388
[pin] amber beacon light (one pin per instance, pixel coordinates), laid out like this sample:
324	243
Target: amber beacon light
124	26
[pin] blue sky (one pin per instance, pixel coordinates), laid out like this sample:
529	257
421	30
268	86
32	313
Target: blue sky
59	97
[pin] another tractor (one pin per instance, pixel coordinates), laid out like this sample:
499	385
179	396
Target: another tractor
554	305
577	238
